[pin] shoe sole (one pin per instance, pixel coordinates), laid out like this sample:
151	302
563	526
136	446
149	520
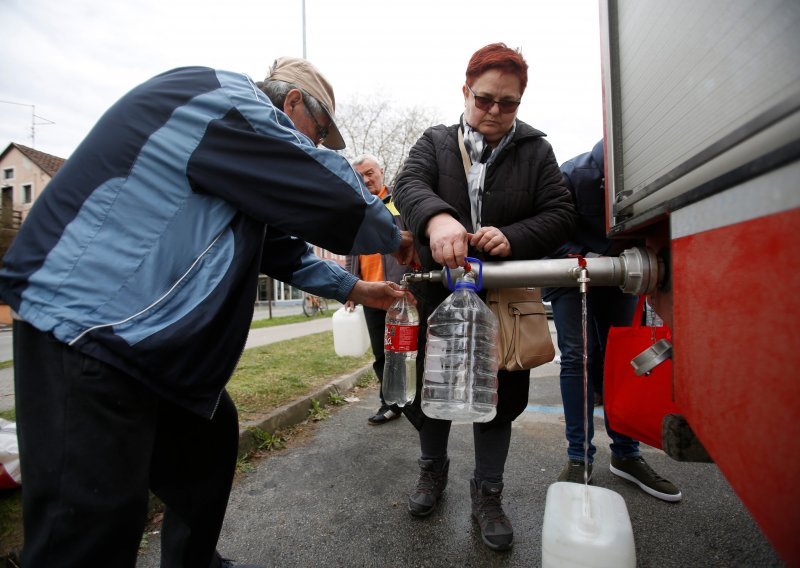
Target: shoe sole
649	490
421	514
497	547
429	511
432	509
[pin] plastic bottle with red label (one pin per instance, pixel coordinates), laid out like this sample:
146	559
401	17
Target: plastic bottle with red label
400	349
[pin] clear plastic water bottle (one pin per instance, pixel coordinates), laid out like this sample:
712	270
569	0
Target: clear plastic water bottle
460	379
400	349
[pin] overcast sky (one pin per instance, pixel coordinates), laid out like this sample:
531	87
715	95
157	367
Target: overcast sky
73	59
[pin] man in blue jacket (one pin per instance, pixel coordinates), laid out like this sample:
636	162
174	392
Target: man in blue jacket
132	283
584	176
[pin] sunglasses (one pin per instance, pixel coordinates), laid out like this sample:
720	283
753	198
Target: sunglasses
322	132
486	103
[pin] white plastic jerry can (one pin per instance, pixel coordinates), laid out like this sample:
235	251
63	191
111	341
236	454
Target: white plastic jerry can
350	335
586	526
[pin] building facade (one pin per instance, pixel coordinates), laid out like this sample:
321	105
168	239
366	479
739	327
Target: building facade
24	173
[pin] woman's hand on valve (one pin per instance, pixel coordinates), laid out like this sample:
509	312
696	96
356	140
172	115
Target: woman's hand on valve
448	240
491	240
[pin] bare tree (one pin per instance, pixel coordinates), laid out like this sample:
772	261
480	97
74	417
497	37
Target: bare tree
374	126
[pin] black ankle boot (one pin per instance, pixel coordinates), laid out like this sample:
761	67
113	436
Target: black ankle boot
430	485
487	509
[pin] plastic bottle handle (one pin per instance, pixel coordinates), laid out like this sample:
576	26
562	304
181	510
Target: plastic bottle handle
469	259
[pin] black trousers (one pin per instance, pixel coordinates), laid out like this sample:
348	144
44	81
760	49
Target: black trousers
376	326
492	439
93	441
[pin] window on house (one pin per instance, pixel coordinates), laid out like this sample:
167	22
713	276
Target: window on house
27	193
8	173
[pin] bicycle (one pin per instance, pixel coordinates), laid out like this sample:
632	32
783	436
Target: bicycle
313	304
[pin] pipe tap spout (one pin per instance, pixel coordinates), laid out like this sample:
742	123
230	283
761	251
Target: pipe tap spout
583	274
583	281
432	276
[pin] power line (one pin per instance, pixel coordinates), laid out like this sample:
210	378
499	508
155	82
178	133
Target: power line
304	30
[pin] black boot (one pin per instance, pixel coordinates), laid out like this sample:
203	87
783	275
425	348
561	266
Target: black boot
430	485
487	509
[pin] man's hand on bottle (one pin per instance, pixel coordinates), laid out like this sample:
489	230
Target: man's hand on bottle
406	254
379	295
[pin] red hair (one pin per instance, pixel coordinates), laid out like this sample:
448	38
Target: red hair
498	56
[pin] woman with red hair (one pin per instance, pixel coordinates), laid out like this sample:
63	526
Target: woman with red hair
504	201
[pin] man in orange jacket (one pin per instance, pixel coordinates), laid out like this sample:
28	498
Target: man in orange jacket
376	268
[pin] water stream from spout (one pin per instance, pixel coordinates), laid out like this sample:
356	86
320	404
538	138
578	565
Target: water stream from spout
586	508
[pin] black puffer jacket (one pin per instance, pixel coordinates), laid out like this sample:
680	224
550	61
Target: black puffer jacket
524	195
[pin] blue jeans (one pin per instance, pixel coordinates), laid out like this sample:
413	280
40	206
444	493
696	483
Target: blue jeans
605	307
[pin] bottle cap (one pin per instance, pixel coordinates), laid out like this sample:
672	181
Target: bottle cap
467	281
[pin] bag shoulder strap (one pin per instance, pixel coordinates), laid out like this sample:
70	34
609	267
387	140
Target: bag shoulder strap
637	315
464	155
514	340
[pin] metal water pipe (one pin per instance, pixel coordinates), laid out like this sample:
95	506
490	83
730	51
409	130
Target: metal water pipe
636	271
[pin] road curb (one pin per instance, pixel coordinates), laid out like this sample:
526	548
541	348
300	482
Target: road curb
294	412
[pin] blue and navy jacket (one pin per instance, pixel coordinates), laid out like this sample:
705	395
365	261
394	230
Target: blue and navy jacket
584	176
144	250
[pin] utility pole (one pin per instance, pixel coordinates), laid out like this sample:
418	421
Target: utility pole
304	30
34	116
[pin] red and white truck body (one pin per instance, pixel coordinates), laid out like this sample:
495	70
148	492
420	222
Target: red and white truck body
702	139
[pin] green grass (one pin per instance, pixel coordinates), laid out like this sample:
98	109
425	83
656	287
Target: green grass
297	318
256	324
10	522
7	414
272	375
265	378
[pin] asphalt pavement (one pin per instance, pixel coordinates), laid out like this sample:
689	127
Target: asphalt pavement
337	497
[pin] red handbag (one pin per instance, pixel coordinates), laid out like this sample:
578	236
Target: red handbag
636	405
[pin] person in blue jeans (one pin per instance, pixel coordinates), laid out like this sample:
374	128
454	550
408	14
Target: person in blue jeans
605	306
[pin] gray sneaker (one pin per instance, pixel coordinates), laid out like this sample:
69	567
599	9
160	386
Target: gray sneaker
637	471
487	509
573	472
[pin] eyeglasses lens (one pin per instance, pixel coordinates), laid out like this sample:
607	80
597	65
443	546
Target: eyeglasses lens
322	132
486	104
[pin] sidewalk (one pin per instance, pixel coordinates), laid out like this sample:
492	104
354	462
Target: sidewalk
257	337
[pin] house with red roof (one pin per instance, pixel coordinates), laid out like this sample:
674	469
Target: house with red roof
24	173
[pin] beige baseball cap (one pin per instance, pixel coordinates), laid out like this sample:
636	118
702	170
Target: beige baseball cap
302	73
